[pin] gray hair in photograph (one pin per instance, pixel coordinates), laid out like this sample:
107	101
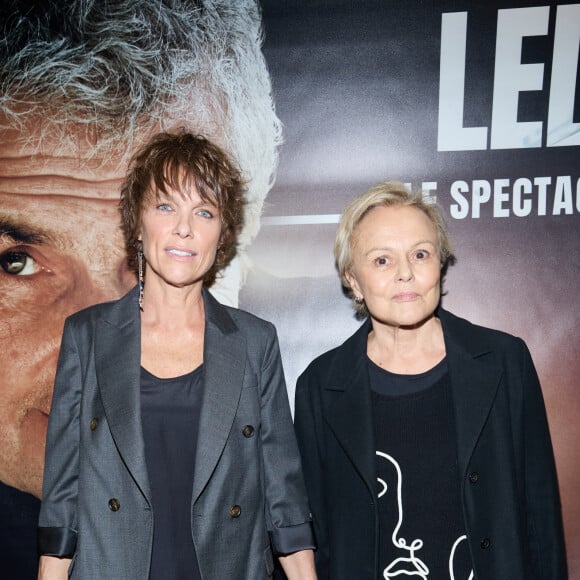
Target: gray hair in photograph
386	194
125	69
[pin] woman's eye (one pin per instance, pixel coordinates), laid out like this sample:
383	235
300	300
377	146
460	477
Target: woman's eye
18	264
205	213
422	254
381	261
164	207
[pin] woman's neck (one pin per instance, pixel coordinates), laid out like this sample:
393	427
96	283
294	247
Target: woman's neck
170	307
172	329
407	350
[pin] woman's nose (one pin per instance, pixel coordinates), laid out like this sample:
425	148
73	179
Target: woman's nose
183	226
405	271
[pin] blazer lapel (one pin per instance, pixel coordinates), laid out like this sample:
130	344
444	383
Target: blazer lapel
474	377
348	406
224	365
117	365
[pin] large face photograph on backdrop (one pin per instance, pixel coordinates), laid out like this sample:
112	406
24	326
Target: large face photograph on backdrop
83	85
477	106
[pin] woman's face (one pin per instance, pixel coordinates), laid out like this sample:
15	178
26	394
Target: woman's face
395	265
180	236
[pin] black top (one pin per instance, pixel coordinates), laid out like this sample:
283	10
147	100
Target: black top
19	519
170	411
421	528
387	383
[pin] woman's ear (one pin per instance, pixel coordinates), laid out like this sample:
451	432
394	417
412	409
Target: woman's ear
352	282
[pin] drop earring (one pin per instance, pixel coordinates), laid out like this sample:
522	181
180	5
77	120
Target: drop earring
141	278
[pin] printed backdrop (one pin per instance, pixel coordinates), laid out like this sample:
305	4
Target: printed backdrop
478	105
475	103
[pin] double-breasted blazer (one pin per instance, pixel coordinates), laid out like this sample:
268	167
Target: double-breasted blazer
508	487
96	495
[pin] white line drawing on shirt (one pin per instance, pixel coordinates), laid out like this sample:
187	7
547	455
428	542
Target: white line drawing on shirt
452	556
398	565
411	565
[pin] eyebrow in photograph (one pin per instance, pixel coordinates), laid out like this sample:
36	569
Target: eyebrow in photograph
20	233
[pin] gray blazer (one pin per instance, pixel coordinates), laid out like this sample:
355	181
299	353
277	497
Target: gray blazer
97	499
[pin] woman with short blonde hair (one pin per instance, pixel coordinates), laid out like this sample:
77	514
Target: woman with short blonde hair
424	439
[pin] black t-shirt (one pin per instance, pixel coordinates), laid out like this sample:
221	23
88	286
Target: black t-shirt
421	529
170	411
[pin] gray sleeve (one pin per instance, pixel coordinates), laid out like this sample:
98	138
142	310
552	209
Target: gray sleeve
286	501
58	513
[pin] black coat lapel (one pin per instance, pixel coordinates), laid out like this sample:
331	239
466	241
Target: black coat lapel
347	400
475	377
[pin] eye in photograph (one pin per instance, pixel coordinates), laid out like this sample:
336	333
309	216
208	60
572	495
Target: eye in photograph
19	263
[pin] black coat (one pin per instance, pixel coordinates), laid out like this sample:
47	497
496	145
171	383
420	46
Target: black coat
508	485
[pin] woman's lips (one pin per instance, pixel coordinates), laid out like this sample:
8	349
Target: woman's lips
405	296
180	253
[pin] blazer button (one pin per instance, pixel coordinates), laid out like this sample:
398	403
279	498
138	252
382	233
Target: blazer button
114	504
485	543
235	511
94	423
473	476
248	431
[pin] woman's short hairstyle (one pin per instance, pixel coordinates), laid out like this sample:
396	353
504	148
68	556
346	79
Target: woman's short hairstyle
386	194
178	162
